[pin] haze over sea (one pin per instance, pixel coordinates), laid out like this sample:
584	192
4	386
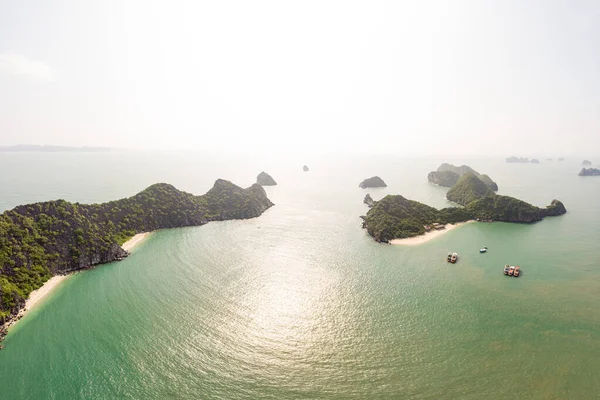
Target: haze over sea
301	302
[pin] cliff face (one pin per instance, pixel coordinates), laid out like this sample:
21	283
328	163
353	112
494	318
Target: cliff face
373	182
443	178
265	179
42	239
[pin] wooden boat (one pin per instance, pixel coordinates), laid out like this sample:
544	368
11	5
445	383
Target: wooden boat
454	258
511	270
449	257
517	271
506	269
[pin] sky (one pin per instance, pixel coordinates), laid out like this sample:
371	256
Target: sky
407	77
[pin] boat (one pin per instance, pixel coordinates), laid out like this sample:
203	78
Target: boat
517	271
506	269
449	257
483	250
454	258
511	270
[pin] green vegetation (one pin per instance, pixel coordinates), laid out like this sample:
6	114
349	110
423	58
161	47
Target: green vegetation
397	217
468	188
373	182
42	239
447	175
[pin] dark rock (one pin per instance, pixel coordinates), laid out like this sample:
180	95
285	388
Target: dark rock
264	179
589	172
369	200
373	182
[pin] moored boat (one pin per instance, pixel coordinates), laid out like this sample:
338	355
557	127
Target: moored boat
511	270
483	250
506	269
449	257
454	258
517	271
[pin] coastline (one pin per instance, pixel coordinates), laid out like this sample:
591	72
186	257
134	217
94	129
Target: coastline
48	286
427	236
134	241
35	297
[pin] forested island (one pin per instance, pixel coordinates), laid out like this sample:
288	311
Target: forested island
395	217
264	179
54	237
447	175
373	182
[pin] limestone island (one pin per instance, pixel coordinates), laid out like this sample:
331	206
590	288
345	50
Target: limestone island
395	217
535	161
586	162
264	179
589	172
40	240
305	168
369	201
447	175
561	159
373	182
517	160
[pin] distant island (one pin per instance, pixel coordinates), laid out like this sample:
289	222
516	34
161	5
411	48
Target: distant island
561	159
305	168
54	237
373	182
447	175
52	149
589	172
586	162
395	217
264	179
535	161
517	160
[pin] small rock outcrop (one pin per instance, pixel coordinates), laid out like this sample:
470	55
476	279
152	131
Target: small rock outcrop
535	161
305	168
561	159
586	162
373	182
589	172
369	200
517	160
264	179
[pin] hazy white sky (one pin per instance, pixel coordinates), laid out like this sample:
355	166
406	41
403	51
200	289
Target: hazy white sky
496	77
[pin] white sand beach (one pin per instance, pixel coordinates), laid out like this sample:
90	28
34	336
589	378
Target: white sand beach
135	240
416	240
37	295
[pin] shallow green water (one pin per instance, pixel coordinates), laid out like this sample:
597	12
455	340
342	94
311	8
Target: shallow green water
301	303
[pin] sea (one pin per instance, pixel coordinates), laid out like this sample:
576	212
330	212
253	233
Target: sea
300	303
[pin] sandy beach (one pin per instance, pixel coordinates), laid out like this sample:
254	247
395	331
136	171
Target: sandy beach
416	240
36	296
135	240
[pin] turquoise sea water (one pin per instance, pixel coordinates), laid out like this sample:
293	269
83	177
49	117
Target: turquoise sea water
301	303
